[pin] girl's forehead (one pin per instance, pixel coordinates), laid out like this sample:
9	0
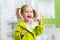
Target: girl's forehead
28	8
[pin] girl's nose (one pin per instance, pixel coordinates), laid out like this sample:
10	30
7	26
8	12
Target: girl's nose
29	13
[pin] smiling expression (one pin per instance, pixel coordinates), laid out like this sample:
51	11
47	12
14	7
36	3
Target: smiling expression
28	13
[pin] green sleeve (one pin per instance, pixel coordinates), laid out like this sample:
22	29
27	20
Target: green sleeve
17	33
39	29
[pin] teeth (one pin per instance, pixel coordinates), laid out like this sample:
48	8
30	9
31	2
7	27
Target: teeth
29	16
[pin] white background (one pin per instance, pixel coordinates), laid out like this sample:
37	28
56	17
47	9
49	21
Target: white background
8	17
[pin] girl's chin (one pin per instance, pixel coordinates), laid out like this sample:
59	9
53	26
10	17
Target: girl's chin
30	19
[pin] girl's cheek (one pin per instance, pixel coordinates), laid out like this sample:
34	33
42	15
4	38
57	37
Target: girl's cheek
32	15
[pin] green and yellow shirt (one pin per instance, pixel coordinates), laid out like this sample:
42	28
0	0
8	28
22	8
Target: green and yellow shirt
31	32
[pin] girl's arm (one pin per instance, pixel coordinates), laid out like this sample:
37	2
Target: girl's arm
19	32
17	35
39	28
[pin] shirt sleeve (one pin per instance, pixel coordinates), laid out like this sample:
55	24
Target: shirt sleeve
39	29
17	33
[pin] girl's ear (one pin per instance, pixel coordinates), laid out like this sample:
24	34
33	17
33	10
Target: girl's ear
35	13
17	14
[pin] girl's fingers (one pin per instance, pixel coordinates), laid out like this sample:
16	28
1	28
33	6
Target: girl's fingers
37	19
23	32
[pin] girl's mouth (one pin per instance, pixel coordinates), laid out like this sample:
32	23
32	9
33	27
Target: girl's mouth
29	16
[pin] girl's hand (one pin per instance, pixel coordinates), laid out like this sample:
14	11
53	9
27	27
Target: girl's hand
23	32
39	20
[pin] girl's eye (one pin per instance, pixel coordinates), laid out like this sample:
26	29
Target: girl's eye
27	11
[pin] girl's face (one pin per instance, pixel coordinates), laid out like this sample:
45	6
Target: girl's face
28	13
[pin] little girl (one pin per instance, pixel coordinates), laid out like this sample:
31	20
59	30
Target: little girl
30	26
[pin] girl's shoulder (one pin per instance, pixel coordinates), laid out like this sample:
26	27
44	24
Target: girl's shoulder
21	23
